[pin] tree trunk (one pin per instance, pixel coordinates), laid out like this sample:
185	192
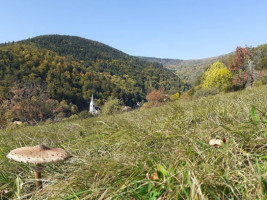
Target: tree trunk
251	74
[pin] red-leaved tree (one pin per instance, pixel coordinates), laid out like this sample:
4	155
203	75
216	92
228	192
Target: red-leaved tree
156	98
241	67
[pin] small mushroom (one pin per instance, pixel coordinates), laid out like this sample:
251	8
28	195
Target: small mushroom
38	155
216	142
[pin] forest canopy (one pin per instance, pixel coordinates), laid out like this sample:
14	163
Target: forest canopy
72	68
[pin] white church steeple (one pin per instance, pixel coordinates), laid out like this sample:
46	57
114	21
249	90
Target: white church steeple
92	108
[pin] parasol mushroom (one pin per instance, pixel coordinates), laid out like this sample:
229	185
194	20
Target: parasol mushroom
38	155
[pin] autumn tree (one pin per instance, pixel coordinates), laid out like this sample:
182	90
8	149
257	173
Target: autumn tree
242	67
217	76
156	98
31	103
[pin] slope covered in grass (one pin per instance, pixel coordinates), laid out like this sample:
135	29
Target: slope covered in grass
114	156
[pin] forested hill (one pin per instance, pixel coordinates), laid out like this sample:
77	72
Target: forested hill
80	49
72	68
191	70
188	70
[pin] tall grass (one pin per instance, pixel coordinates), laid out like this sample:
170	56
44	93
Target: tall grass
116	156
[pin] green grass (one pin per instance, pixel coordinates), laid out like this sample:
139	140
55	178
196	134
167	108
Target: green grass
113	154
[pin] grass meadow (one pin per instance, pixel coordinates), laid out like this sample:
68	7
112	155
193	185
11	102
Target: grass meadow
153	154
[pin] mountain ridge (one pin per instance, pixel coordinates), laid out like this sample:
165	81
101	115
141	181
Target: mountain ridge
188	70
81	67
80	45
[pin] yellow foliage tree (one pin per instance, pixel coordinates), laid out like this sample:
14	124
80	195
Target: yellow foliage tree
217	76
175	97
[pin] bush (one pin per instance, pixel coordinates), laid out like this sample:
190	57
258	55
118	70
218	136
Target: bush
186	96
84	114
264	80
74	116
261	81
74	109
60	116
203	92
12	125
257	83
112	106
175	97
156	98
49	121
192	91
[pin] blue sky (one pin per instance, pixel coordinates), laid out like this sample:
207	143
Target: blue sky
182	29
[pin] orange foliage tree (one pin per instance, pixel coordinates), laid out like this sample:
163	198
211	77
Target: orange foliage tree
30	103
156	98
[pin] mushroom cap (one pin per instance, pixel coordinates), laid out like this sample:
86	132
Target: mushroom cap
216	142
39	154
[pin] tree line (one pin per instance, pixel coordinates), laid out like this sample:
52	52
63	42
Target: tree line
69	70
237	71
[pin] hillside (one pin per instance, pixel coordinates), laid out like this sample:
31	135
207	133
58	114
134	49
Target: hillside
160	153
72	68
79	48
187	70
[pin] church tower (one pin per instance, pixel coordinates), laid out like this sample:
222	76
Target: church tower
92	108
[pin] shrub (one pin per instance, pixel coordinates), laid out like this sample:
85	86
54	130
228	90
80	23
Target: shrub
203	92
49	121
186	96
257	83
74	109
156	98
175	97
84	114
60	116
75	116
264	80
112	106
192	91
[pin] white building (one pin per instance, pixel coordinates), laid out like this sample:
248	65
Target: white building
92	108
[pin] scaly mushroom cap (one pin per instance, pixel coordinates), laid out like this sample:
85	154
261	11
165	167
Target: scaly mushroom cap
39	154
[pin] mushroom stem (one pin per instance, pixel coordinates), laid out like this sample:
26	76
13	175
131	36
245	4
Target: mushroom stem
38	181
38	176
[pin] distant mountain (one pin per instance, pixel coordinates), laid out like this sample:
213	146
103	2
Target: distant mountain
163	61
72	68
188	70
